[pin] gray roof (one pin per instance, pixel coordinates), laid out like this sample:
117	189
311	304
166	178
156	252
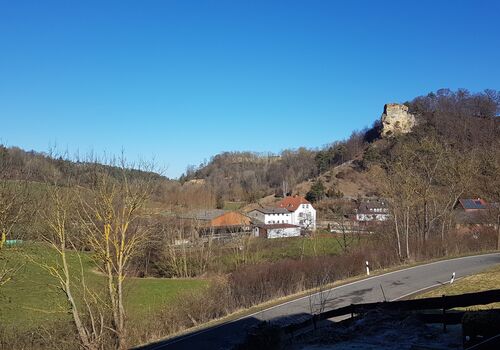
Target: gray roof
272	210
368	207
203	214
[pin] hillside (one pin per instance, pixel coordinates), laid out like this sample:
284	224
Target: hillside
420	156
348	180
16	163
459	121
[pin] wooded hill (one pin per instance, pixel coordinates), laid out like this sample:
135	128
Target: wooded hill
16	164
461	121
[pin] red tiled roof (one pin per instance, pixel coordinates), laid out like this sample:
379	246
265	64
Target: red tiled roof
292	203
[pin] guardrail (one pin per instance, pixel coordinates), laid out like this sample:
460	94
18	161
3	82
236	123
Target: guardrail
437	303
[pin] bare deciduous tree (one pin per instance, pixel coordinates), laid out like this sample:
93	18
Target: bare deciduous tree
59	214
111	212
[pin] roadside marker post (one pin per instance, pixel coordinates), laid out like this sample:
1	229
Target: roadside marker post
367	268
452	278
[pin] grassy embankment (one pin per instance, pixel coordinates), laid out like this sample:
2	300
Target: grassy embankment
32	298
487	280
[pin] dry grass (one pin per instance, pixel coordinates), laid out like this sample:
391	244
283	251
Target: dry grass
348	180
487	280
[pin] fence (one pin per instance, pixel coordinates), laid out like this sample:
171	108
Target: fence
438	303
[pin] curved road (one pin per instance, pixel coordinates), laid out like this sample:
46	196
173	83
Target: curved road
390	286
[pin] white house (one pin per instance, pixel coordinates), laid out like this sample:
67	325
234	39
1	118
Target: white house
302	212
373	210
269	216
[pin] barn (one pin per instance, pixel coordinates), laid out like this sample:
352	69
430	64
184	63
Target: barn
218	222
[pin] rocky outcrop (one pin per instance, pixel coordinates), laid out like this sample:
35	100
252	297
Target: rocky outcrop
396	120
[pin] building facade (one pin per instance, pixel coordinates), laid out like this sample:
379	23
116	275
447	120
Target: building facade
276	231
269	216
302	212
373	210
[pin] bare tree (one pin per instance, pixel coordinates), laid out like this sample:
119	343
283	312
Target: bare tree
58	214
347	232
425	180
110	213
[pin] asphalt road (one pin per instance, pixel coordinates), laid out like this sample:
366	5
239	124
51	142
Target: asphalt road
390	286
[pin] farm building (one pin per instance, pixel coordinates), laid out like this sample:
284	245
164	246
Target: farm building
276	230
218	222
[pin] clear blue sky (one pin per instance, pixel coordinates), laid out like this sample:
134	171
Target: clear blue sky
184	80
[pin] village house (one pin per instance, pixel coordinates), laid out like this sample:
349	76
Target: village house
471	205
471	214
372	210
302	212
273	222
271	215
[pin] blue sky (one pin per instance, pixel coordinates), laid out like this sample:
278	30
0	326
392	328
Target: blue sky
184	80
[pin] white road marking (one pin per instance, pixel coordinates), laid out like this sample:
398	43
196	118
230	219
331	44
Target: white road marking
422	289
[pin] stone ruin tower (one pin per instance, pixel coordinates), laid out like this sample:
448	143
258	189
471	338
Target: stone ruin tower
396	120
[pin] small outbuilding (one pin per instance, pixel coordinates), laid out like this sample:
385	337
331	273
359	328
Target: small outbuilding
276	230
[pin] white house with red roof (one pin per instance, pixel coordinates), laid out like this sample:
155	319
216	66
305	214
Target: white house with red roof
273	222
302	212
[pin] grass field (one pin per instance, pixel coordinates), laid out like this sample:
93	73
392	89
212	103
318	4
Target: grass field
296	247
32	298
262	250
489	279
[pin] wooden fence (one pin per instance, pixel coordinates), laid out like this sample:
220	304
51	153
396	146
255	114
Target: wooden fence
438	303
